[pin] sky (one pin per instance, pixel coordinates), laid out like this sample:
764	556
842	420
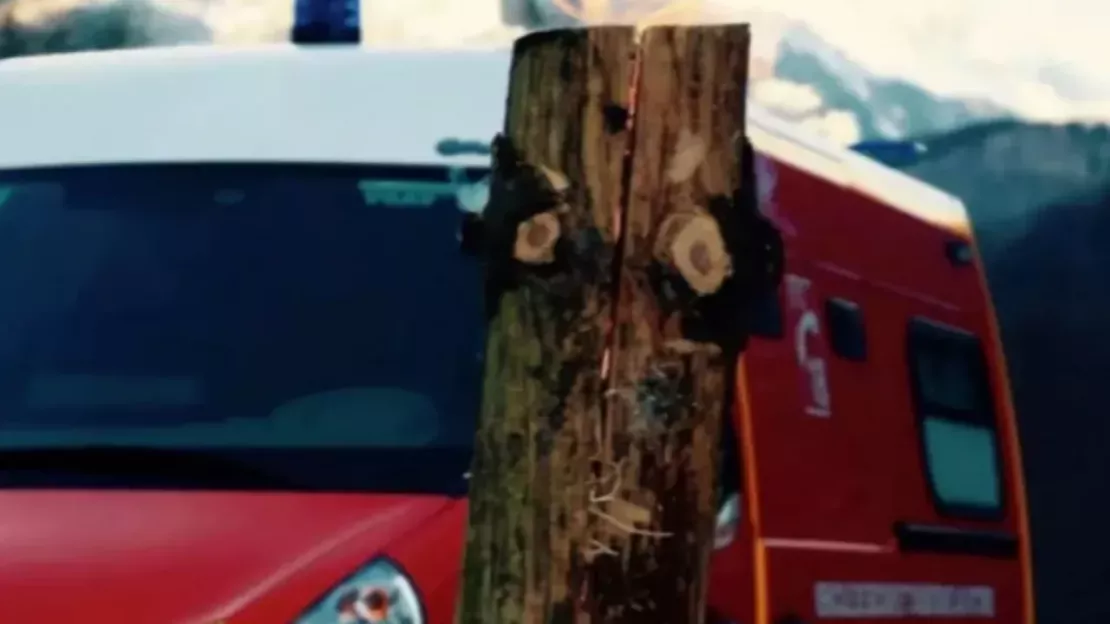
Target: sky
1043	58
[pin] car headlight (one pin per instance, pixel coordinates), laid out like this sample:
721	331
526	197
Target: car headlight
379	593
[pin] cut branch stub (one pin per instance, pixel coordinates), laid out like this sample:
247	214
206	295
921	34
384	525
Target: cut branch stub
536	238
527	213
692	244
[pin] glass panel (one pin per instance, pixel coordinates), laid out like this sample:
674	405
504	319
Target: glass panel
947	377
963	463
226	307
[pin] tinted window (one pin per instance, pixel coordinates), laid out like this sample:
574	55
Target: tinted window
949	376
848	334
952	391
309	318
962	463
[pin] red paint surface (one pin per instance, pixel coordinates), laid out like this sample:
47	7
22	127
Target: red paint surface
166	558
849	477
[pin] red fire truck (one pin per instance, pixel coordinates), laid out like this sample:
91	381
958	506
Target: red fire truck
241	357
877	441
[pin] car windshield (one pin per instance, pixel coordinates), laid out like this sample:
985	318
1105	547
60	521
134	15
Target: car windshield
317	323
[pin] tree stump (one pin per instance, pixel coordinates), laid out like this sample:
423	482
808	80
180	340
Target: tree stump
623	248
687	276
549	240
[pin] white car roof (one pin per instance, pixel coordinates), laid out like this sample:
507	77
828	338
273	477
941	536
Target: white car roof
342	104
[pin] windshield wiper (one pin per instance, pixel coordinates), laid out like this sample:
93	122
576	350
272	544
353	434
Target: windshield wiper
131	467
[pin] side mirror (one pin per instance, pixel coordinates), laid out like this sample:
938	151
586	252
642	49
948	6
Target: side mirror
728	522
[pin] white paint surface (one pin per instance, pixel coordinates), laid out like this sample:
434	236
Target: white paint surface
281	103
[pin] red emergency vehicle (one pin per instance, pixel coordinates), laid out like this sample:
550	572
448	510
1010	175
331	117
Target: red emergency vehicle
877	441
230	392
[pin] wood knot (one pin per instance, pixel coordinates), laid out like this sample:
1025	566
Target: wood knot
536	238
700	259
689	154
692	243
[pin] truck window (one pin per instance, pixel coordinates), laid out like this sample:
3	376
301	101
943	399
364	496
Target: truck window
847	333
951	390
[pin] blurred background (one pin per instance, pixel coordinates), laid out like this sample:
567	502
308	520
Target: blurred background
1006	102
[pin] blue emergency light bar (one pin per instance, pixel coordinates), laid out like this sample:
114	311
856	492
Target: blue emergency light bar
326	21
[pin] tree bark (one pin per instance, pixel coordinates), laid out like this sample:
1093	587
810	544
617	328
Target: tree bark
560	158
623	250
686	279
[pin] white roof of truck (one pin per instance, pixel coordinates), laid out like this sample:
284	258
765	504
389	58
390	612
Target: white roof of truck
282	103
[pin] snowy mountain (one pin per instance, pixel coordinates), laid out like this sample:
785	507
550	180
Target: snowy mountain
881	108
802	77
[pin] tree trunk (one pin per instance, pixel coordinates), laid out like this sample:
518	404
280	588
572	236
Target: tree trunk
622	252
685	283
560	160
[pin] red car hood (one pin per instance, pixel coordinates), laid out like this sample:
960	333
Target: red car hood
187	557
